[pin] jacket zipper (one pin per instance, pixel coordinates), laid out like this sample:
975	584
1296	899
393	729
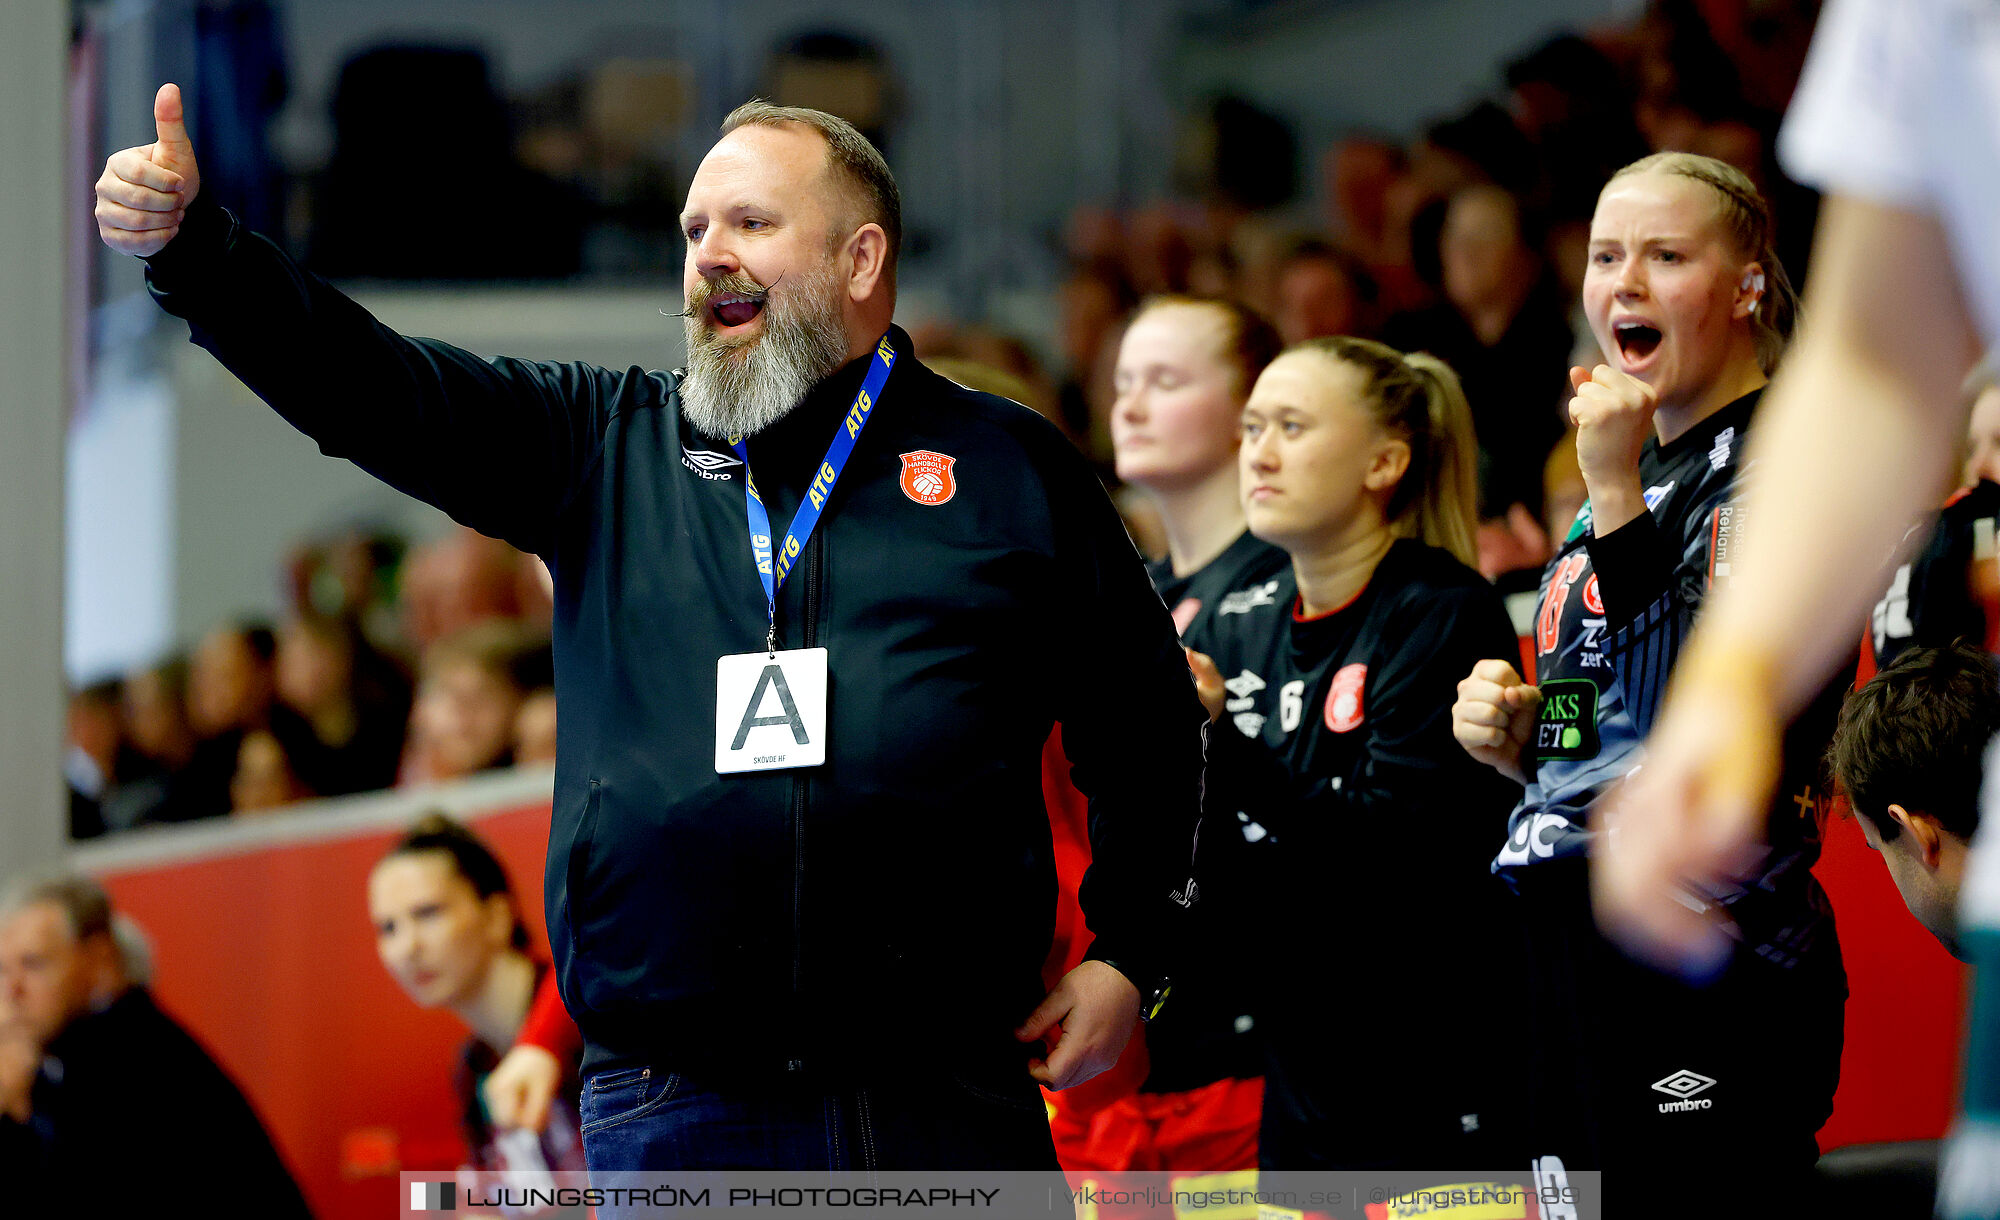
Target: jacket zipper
810	636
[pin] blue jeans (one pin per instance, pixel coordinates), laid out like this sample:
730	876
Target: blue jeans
949	1117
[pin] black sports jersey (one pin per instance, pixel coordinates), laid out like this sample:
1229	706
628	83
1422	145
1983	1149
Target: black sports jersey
1944	593
1334	759
1612	616
1194	598
1207	1032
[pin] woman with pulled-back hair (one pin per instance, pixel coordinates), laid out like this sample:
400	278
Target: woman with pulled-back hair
1628	1071
1331	684
1185	367
448	930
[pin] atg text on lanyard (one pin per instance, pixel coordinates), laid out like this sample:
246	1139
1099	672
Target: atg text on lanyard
774	565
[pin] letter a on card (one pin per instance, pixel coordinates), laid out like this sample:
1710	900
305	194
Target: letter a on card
770	710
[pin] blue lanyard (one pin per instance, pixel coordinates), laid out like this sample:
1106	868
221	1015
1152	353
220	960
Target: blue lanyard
773	567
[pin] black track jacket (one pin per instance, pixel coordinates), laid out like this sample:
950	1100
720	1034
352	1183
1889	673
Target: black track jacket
900	896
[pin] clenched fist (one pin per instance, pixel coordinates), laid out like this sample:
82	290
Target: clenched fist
1494	716
144	191
1613	414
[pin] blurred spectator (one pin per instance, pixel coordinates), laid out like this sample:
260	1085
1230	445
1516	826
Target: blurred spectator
1574	106
232	680
987	359
983	377
354	700
156	717
1359	173
112	785
90	762
839	72
1323	290
350	576
468	697
1483	144
1240	156
1686	85
116	1081
267	770
1160	253
232	689
1503	328
1094	301
462	579
1370	186
1982	429
535	727
1511	549
1563	492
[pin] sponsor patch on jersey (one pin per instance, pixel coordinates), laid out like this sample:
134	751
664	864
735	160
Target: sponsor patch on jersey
1724	528
1725	440
708	463
1243	601
1593	601
1656	494
1344	712
1567	725
927	477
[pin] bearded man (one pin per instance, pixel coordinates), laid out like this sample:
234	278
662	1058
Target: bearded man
799	884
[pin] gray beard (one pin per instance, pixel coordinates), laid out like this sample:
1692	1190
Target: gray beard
741	387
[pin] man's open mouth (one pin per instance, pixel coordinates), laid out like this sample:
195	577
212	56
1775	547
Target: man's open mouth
735	308
1636	340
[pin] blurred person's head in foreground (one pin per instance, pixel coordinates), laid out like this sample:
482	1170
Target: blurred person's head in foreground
793	224
60	957
1908	754
1685	291
232	679
446	920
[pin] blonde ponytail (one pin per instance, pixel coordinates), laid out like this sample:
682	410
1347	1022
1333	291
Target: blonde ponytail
1418	399
1444	507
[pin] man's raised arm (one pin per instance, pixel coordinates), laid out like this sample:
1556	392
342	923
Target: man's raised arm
501	445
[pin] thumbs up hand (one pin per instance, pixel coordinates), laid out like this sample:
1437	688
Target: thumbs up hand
144	191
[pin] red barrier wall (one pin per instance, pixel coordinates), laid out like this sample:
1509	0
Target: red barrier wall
267	955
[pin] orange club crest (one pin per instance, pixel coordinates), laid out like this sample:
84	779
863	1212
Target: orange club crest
927	477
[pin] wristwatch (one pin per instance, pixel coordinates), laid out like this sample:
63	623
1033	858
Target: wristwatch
1153	989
